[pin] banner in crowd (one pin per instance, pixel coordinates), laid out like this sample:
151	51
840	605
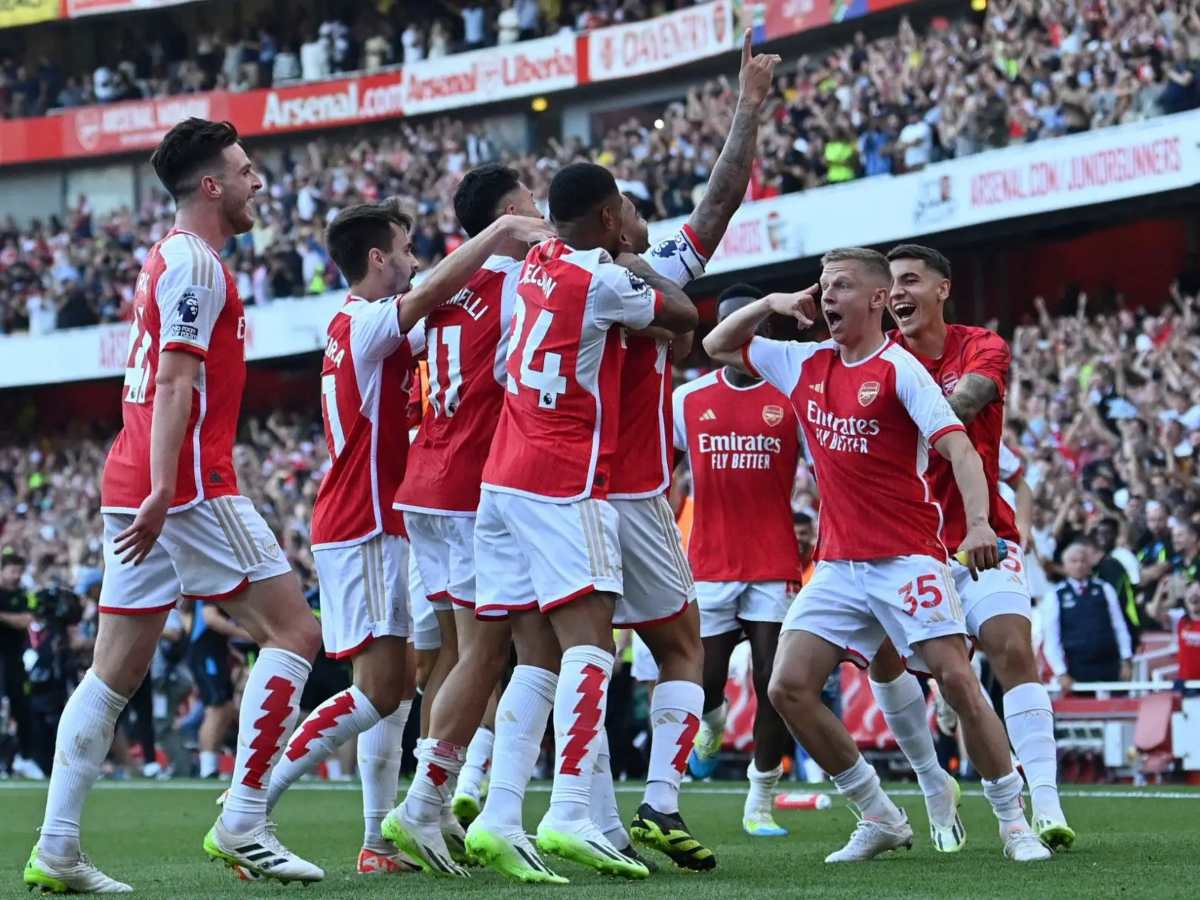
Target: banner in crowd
664	42
73	8
1119	163
284	328
28	12
774	19
497	73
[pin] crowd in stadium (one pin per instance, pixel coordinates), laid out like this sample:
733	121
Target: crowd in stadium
1102	409
870	108
173	55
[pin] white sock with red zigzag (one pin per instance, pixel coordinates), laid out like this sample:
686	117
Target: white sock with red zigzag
327	727
270	706
580	701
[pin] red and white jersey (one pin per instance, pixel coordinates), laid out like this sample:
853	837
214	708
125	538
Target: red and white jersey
557	433
743	445
868	428
643	463
365	379
970	349
466	339
185	300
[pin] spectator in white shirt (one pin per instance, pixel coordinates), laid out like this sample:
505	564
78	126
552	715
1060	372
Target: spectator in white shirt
1085	637
916	142
413	41
286	66
314	59
508	24
104	84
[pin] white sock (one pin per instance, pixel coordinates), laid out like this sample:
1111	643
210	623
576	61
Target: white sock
1030	721
479	756
761	797
270	706
904	710
521	718
438	765
1005	796
675	718
85	733
210	763
860	785
327	727
380	749
604	810
579	705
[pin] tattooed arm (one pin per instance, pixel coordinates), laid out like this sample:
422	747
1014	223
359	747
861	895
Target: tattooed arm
972	394
731	173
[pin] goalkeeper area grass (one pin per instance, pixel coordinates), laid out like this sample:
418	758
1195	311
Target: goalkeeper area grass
1133	843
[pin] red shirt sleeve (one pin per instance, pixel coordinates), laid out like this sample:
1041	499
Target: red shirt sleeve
990	357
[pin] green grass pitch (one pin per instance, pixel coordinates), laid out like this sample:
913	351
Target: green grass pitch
1132	844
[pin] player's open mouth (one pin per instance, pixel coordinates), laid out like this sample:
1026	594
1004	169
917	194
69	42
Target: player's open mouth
832	318
904	310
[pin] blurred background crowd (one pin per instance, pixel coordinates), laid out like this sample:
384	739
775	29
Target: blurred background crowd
1104	402
889	105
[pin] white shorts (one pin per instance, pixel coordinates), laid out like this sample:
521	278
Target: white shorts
534	553
998	592
644	667
445	550
364	593
209	552
724	605
855	605
655	572
426	633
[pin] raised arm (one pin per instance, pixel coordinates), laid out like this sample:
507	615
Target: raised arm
725	342
678	314
452	274
731	173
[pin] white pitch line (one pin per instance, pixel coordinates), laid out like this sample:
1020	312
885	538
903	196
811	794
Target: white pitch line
707	790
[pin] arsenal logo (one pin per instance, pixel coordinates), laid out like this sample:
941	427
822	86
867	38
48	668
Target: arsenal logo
867	392
772	415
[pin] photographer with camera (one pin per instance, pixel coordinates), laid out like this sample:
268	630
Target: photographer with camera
52	667
15	619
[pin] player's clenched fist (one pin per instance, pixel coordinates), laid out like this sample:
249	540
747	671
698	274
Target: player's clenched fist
979	549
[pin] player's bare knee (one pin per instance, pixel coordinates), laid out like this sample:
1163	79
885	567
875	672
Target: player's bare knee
788	690
960	687
886	667
302	637
485	658
1013	661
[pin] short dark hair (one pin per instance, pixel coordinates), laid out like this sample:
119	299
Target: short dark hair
578	188
357	230
188	147
479	194
932	258
872	260
738	291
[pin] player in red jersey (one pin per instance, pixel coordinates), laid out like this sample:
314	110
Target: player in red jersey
175	524
468	339
658	590
742	442
970	365
870	414
546	538
359	542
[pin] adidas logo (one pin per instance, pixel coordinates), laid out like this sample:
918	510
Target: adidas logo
708	416
818	388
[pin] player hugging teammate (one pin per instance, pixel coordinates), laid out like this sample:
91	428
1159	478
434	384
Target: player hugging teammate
534	501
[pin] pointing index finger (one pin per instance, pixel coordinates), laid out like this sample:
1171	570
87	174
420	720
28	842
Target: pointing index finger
745	47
